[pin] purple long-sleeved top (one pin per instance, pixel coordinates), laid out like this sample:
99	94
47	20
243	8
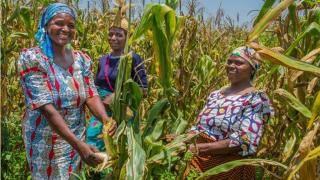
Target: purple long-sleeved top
111	63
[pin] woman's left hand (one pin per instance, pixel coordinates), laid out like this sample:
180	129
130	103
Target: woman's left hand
112	125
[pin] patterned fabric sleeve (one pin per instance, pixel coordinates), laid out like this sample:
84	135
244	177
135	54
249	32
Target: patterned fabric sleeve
34	80
90	88
255	114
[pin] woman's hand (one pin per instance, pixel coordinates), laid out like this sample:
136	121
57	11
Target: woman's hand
58	124
107	101
87	154
97	109
111	125
192	148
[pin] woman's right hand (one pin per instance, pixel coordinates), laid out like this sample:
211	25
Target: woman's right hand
87	154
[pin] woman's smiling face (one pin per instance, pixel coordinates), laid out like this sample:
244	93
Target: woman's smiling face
238	70
61	29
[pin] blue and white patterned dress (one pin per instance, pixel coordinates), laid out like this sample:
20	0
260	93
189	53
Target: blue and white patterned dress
44	82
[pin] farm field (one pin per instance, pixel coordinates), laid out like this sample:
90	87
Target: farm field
185	56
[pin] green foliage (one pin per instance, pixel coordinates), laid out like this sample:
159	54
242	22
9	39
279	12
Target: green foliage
184	58
13	157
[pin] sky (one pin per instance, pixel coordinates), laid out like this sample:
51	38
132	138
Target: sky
230	7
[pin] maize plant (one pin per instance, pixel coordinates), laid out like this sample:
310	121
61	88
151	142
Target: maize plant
184	57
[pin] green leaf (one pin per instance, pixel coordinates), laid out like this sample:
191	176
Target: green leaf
26	17
288	148
278	58
154	113
315	110
19	35
171	24
144	24
264	9
293	102
172	149
124	71
156	131
137	157
120	129
151	142
313	28
172	3
135	94
163	22
181	127
233	164
267	19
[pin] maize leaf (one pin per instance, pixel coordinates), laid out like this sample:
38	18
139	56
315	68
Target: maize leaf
154	113
136	162
120	130
135	94
162	20
288	149
267	19
312	28
293	102
310	156
26	17
144	24
171	149
290	62
315	110
267	5
308	58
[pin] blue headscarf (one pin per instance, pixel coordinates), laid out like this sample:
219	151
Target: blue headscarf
42	36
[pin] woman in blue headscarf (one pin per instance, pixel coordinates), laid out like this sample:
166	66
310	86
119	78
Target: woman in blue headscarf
57	83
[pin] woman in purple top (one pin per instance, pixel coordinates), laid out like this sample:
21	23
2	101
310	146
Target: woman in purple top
107	74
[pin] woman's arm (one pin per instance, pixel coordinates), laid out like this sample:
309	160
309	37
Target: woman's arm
97	109
93	101
107	101
58	124
218	147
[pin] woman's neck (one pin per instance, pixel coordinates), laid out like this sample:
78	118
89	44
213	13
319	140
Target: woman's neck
238	88
116	53
59	51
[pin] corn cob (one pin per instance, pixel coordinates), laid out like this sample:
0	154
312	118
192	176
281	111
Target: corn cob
108	141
